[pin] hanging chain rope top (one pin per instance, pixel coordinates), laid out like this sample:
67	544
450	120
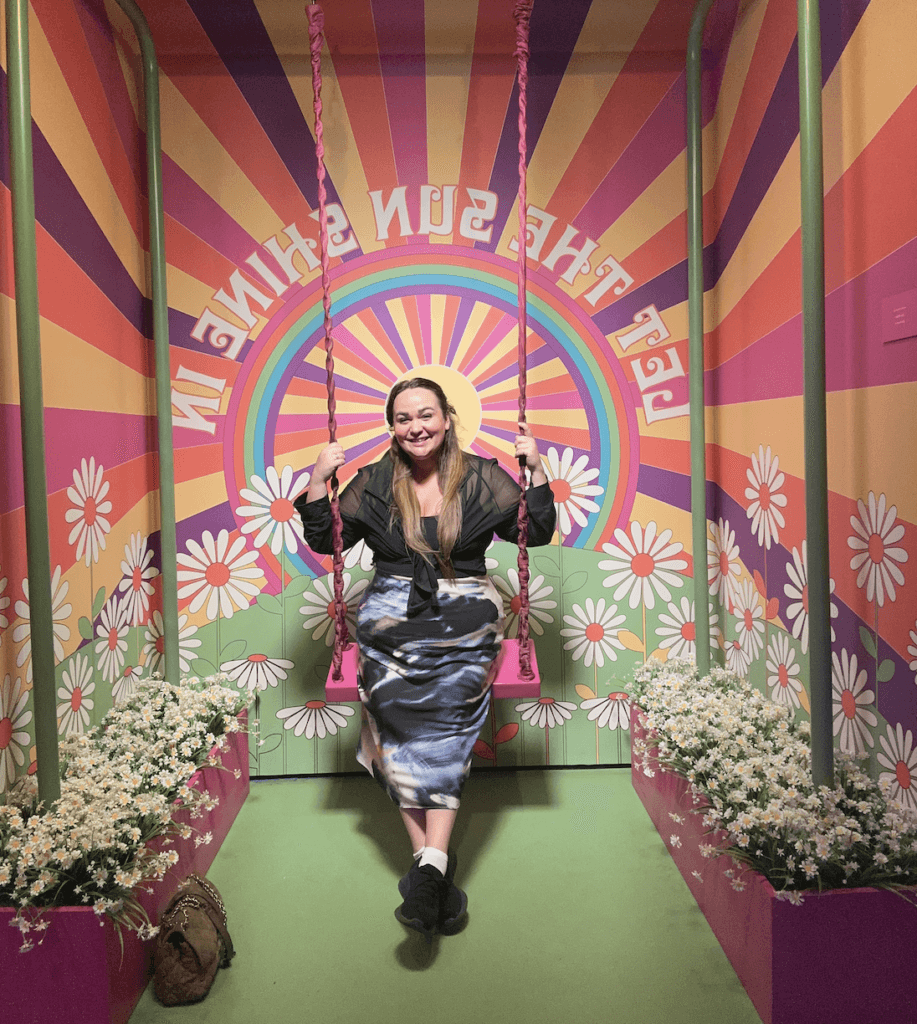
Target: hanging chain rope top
522	14
316	38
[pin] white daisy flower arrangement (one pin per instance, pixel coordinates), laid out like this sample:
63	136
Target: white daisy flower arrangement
749	766
119	784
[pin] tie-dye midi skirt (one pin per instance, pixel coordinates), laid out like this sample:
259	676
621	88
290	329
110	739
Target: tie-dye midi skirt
425	685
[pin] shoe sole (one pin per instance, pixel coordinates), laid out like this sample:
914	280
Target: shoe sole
416	924
452	925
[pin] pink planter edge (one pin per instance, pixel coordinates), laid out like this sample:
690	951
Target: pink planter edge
81	963
845	956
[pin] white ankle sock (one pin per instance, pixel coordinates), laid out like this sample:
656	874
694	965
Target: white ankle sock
418	854
437	858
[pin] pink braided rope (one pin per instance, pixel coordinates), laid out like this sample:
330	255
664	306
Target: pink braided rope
341	637
522	14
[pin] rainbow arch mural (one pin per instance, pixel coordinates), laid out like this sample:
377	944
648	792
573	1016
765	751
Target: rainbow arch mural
420	121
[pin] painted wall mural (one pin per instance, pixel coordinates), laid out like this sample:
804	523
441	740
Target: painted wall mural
420	129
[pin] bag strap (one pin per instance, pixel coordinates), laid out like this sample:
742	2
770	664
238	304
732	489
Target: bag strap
199	893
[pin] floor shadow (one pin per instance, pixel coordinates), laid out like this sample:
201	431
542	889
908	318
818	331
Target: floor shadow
487	798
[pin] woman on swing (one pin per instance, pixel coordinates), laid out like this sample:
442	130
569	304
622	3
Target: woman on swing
429	626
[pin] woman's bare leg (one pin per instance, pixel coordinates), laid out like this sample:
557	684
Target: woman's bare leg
439	828
415	821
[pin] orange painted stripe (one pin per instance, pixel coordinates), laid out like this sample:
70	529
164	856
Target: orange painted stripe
511	356
490	87
195	257
412	315
556	386
576	436
875	195
360	81
635	94
201	460
64	31
74	302
873	207
371	322
666	454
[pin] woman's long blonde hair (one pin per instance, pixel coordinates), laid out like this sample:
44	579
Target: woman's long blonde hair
451	468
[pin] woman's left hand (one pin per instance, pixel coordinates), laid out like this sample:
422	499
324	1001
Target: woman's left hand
527	448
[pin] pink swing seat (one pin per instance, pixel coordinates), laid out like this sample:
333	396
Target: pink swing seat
508	681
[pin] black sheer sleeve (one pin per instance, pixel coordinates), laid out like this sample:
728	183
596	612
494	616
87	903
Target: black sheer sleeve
504	493
316	517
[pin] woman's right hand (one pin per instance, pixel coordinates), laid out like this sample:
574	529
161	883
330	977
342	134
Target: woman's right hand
330	460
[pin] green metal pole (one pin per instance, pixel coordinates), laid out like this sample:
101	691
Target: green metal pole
814	405
31	403
160	339
696	335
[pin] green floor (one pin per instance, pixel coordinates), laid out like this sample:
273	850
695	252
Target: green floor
577	913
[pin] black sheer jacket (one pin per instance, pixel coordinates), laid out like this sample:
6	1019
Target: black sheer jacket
490	502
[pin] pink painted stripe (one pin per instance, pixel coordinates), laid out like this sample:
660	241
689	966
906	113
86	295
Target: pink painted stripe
352	343
70	436
856	356
426	336
402	58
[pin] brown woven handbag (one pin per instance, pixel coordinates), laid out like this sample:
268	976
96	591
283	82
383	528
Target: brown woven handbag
192	943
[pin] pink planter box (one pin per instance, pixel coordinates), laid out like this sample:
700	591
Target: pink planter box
78	974
844	957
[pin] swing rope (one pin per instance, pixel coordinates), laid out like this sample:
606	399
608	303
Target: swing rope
522	14
316	38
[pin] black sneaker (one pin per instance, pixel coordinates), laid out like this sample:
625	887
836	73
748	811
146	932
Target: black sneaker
423	906
406	882
454	910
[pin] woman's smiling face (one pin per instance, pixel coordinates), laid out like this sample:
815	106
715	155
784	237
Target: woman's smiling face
419	423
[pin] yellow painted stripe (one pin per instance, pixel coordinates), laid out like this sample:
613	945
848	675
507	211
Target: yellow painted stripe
361	331
188	294
449	44
191	144
61	122
475	320
342	157
195	496
412	344
666	517
573	418
316	357
438	341
859	421
497	351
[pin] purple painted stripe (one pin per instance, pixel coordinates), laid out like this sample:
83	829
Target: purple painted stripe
191	206
544	355
855	354
351	342
244	46
658	142
214	519
552	40
316	374
466	307
61	211
379	307
779	129
402	59
503	327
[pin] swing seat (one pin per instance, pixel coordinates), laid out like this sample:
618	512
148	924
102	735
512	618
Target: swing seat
507	683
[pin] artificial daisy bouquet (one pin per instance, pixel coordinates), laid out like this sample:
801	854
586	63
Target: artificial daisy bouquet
120	785
749	766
